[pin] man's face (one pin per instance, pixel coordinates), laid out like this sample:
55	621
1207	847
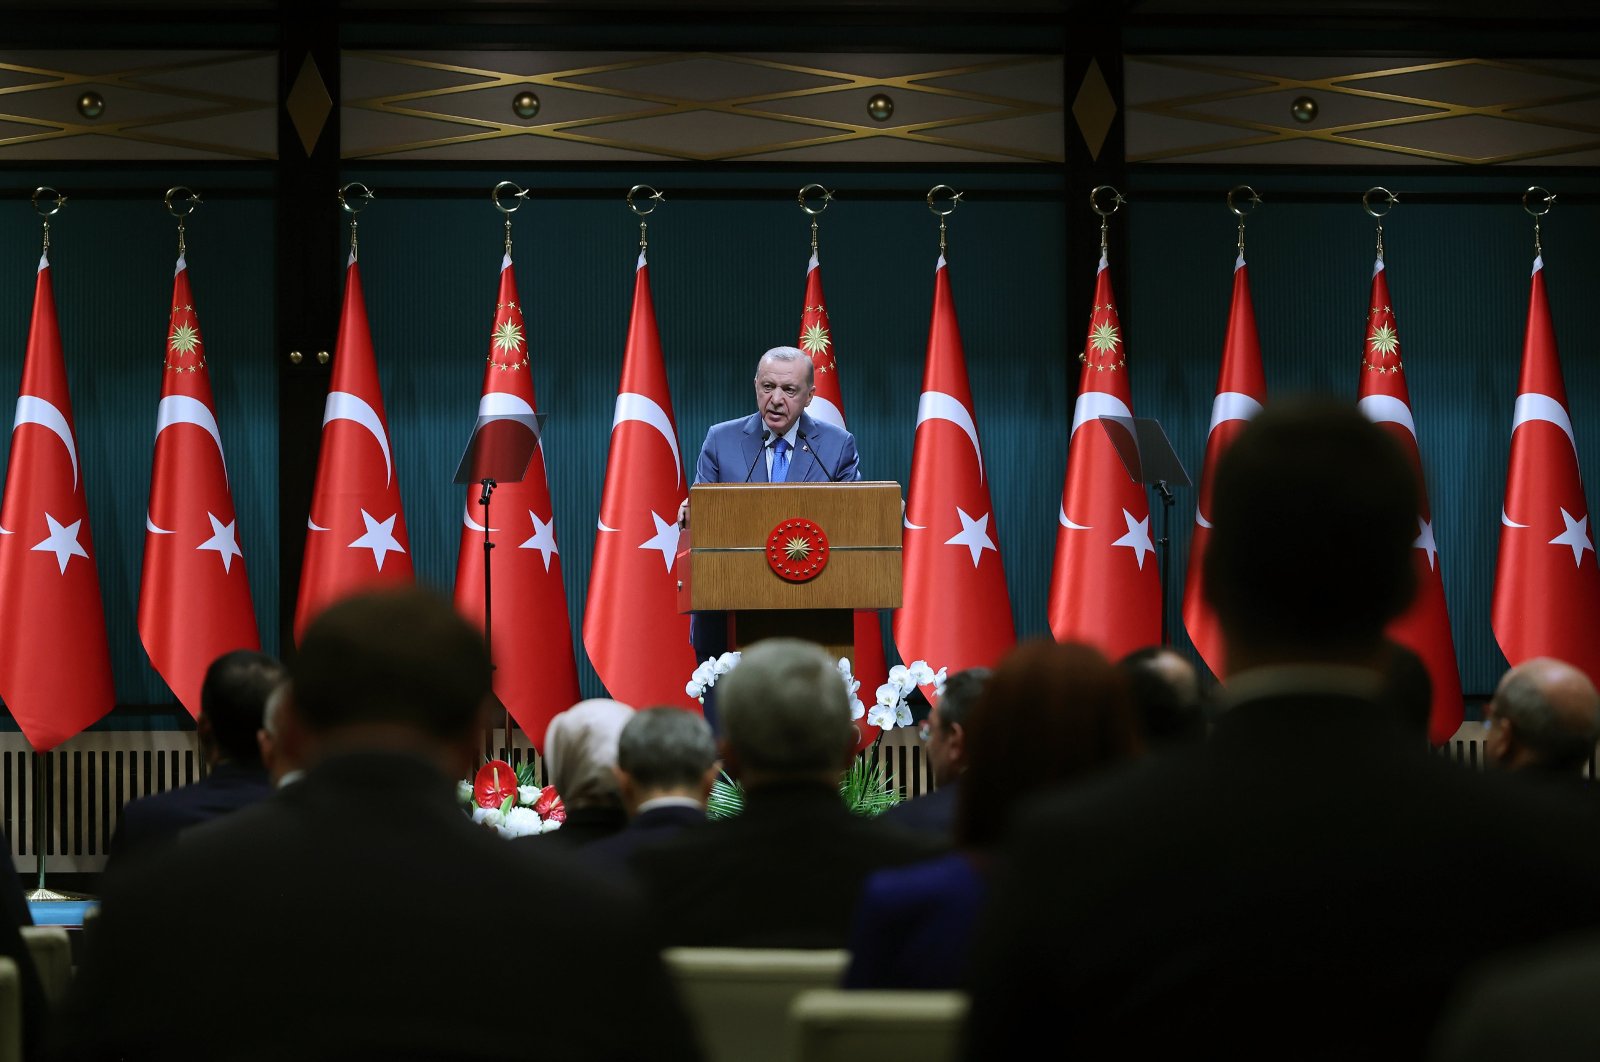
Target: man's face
783	389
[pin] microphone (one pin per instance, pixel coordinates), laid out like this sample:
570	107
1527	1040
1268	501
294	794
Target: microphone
766	434
833	476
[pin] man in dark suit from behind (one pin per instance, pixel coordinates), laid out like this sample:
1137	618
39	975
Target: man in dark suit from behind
944	742
786	871
1309	883
232	699
358	914
666	764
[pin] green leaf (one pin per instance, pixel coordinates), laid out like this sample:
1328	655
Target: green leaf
525	773
507	804
867	789
726	800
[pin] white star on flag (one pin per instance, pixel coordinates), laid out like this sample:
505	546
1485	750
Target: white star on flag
1425	541
544	538
974	535
223	542
63	542
665	540
379	538
1576	535
1137	538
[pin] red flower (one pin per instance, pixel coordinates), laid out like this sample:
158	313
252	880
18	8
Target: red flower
495	781
549	805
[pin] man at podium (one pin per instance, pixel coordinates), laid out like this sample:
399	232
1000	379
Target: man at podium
779	443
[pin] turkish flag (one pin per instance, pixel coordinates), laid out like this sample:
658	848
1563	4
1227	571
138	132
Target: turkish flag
535	676
637	639
194	598
1241	392
1424	628
356	533
816	339
1547	584
1104	589
956	611
55	665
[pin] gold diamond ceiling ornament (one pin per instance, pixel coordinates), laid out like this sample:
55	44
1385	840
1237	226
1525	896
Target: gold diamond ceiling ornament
1094	109
308	104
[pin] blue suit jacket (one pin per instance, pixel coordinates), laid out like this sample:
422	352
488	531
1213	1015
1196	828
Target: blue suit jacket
822	453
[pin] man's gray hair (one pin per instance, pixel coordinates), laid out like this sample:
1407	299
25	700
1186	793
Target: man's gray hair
785	709
666	748
1540	726
788	354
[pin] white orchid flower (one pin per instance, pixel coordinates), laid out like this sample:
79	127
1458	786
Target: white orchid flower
902	714
882	716
857	709
888	694
899	676
727	662
921	672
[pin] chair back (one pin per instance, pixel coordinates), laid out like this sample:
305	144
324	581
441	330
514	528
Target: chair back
51	949
738	998
10	1011
830	1025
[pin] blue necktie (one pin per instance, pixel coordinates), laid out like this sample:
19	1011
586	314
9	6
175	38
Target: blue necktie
780	461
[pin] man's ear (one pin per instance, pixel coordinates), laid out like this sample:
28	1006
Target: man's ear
955	742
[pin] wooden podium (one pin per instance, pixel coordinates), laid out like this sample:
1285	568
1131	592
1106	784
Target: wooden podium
725	567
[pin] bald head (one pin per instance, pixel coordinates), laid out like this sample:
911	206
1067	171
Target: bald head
1545	715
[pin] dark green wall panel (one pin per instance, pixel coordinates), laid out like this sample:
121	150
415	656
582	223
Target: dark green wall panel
112	269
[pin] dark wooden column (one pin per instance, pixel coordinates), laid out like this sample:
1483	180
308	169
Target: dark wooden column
309	242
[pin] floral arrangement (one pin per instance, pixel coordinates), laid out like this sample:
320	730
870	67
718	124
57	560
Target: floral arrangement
506	800
865	790
892	706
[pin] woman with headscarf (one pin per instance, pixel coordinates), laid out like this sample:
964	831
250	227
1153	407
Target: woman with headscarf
580	753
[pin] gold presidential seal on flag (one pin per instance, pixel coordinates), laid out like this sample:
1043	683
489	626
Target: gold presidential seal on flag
797	550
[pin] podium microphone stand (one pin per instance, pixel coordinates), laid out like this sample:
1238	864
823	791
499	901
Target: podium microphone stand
1150	460
499	451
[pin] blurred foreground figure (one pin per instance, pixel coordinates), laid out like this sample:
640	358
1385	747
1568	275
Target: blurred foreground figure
1310	882
357	913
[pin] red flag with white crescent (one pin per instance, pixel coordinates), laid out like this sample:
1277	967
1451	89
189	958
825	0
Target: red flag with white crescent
356	533
637	639
956	610
816	339
194	597
1105	590
535	676
1424	628
1547	584
1241	392
55	664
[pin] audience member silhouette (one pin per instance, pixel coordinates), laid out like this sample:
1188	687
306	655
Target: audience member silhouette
786	871
1544	717
1166	696
233	696
666	764
1308	883
1051	714
580	749
358	914
944	743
